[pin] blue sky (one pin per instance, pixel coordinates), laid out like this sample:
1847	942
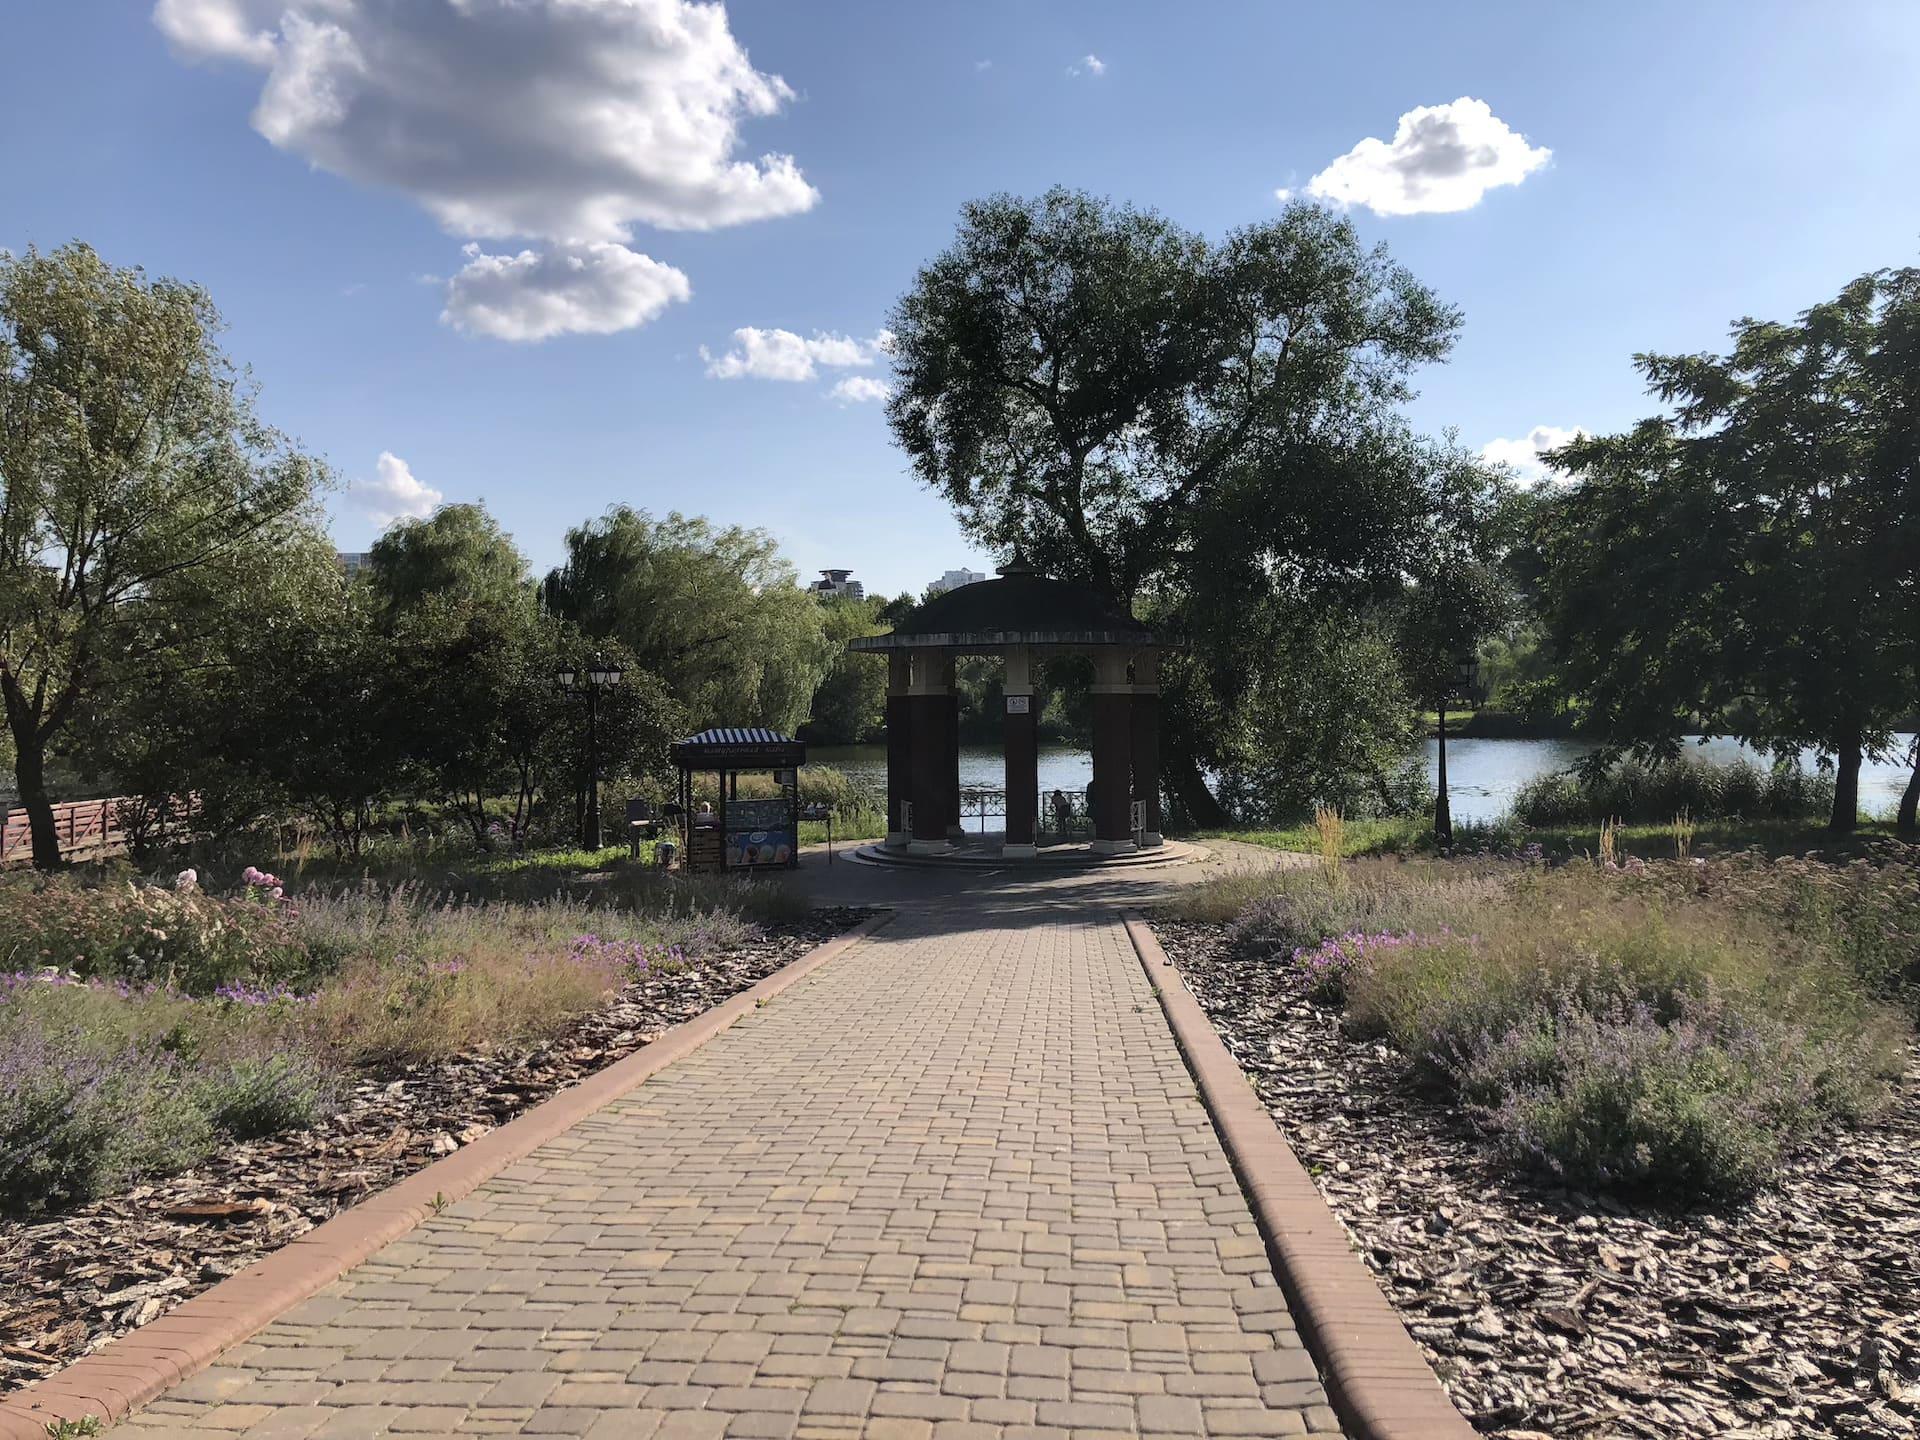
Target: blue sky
1707	161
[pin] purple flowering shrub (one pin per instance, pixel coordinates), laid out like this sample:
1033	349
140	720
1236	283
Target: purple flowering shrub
1669	1026
1606	1092
77	1122
1329	965
102	1082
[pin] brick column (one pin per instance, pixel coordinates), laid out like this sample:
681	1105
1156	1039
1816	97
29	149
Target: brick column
899	745
1112	752
933	785
1146	740
1020	742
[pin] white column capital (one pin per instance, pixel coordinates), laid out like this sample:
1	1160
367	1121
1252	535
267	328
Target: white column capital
1019	679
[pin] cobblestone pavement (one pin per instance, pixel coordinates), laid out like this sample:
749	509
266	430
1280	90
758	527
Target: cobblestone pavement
956	1184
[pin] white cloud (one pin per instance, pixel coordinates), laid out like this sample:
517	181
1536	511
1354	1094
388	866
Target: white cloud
1088	65
1524	454
394	494
592	289
567	120
1442	158
858	389
782	355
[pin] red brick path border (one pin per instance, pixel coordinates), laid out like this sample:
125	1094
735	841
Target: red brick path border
141	1364
1377	1378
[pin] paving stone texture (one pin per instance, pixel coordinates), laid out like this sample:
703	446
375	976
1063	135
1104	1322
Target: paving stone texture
956	1184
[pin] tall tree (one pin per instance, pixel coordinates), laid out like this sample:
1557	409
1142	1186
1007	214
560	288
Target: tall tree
137	488
459	552
851	703
1200	427
713	611
1750	562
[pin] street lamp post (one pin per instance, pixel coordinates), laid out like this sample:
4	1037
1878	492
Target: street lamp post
1466	669
597	676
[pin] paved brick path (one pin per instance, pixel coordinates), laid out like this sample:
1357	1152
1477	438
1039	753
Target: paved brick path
956	1184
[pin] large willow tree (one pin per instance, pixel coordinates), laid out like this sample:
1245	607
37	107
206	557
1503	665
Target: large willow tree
1208	431
713	611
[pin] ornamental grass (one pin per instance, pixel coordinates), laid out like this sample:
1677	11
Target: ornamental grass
1676	1027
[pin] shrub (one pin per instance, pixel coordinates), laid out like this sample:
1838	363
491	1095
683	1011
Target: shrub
1613	1096
177	937
250	1096
1657	1028
103	1083
76	1123
1637	793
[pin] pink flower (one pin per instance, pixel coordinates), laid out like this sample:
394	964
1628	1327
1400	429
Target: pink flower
186	880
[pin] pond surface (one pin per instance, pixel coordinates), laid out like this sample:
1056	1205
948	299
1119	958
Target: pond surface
1482	775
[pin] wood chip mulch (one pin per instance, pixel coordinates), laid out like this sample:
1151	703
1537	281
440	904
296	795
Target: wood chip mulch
1552	1313
72	1282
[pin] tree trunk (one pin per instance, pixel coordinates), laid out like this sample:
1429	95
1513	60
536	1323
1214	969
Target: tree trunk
1846	788
30	778
1908	821
1183	777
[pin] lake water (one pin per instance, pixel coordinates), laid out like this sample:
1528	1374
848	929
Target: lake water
1482	775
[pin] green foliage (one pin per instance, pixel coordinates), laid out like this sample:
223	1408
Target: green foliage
714	613
1633	791
459	554
250	1096
850	705
1747	563
131	455
1326	720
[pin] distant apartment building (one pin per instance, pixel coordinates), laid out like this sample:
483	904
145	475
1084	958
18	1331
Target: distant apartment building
352	562
953	580
834	585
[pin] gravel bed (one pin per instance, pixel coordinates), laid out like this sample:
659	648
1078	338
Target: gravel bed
1553	1313
72	1282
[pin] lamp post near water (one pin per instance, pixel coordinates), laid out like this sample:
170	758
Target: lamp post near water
597	676
1466	669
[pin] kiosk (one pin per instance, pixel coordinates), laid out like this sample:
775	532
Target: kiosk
751	833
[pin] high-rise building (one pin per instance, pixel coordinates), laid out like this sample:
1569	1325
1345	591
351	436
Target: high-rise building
834	585
352	562
953	580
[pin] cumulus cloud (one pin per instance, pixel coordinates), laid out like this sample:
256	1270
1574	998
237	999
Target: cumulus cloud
1524	454
393	494
1088	65
591	289
568	120
858	389
759	354
1442	158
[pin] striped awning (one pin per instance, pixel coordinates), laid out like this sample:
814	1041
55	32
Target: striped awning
730	747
